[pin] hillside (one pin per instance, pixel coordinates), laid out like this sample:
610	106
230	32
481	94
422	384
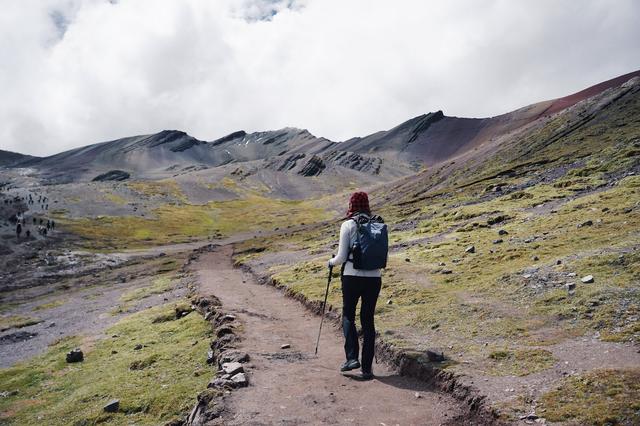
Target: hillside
518	261
8	158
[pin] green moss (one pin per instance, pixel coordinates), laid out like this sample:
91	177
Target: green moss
114	198
158	286
600	397
154	384
519	362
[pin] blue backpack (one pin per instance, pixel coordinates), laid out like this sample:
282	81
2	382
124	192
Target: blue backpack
371	248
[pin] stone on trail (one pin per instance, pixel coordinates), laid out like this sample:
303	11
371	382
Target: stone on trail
240	380
470	249
232	356
587	279
112	406
232	368
285	346
75	355
219	382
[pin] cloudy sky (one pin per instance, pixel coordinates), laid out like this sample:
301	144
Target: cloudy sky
75	72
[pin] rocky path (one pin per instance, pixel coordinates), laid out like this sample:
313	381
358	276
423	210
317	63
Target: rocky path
292	386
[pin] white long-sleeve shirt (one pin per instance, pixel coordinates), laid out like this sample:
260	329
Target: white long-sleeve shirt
348	235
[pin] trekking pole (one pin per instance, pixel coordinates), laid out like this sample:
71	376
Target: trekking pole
326	293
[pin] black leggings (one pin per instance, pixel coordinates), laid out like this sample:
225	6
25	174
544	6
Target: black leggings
353	288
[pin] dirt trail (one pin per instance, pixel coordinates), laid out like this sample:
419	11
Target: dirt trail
292	386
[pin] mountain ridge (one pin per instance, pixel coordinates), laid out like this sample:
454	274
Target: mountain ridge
422	141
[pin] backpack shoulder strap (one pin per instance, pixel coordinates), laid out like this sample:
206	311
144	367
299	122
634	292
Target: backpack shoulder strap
376	218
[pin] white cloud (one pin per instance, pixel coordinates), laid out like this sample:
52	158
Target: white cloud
74	72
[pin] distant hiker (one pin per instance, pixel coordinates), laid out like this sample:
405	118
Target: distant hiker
48	224
34	220
53	224
362	252
28	233
18	229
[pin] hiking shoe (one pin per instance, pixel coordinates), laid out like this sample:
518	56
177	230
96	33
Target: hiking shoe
351	364
366	375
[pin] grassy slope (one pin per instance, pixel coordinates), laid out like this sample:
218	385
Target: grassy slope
175	220
154	384
498	309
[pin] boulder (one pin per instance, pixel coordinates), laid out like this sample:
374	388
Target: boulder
75	355
586	223
219	383
112	406
240	380
232	368
223	330
285	346
502	232
498	241
470	249
587	279
232	356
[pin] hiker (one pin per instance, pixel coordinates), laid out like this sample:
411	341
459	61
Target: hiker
362	252
18	230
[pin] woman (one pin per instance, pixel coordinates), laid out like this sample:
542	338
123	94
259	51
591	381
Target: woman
356	284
